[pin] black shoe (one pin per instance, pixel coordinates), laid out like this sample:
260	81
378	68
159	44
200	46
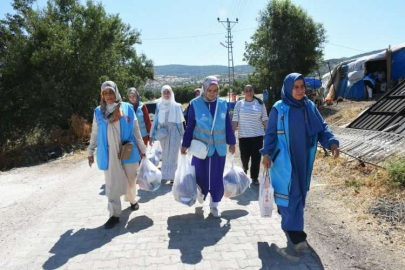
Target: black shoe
255	182
135	206
111	222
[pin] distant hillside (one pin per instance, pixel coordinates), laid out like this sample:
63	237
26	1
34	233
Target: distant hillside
199	72
193	75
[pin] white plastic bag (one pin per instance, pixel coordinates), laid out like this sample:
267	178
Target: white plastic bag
185	187
154	153
149	176
235	181
266	193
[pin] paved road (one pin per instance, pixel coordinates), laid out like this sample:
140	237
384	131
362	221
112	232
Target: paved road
52	217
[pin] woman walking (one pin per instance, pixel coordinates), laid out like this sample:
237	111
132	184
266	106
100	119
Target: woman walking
141	112
114	123
209	171
250	118
294	128
168	128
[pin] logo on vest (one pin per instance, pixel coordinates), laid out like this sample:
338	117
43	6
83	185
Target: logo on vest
223	115
203	117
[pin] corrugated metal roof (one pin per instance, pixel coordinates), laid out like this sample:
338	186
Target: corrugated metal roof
387	114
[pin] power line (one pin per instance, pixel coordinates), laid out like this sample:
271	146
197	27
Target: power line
341	46
195	36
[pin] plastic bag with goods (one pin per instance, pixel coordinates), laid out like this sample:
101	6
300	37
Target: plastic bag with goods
185	187
149	176
235	181
155	153
266	193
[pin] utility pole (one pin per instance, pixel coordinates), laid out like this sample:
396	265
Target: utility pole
231	72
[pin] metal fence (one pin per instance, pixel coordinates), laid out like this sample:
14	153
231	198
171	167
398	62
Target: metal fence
368	145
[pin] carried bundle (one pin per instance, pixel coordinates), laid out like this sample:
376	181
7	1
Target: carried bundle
235	181
266	193
155	153
185	187
149	176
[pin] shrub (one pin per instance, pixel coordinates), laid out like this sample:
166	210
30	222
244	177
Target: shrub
396	172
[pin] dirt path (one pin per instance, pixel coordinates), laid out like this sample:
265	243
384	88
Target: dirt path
341	241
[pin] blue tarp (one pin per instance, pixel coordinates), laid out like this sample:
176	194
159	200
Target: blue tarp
312	83
398	64
356	91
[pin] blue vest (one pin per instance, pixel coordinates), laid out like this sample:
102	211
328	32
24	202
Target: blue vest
127	134
141	120
281	170
202	130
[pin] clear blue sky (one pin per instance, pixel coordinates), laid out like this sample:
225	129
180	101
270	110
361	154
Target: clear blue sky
353	26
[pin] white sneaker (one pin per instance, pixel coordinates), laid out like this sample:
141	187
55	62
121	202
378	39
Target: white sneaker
214	212
200	196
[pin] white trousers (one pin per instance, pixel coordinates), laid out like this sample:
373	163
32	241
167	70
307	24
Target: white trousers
114	202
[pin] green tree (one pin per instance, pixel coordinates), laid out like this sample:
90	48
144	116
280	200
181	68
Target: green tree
54	60
287	40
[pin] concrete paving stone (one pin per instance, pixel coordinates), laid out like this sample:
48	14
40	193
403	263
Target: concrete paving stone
157	260
145	253
132	262
203	265
120	254
216	256
165	251
233	255
246	246
95	256
106	264
170	267
79	265
226	264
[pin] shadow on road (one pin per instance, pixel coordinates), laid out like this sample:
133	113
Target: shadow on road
85	240
146	196
102	192
251	194
276	257
191	233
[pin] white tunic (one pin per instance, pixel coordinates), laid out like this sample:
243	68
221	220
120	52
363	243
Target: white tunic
116	180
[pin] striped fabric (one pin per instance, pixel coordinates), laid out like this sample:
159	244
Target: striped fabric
250	117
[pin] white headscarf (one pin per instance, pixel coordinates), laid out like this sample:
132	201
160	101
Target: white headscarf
170	105
210	80
109	108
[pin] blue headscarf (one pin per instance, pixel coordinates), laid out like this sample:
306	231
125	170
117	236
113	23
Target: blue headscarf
314	125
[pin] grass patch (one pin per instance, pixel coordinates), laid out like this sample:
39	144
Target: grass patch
396	172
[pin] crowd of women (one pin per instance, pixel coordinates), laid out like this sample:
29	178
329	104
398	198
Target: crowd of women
287	139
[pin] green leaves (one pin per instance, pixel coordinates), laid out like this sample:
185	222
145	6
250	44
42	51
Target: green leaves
54	60
287	40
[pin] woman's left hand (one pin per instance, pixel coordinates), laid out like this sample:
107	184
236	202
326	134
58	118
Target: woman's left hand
142	156
335	150
232	149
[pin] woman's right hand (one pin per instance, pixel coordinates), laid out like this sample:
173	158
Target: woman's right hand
91	160
150	141
184	150
266	161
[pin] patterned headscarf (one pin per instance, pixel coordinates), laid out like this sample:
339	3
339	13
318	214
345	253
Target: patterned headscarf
106	109
210	80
